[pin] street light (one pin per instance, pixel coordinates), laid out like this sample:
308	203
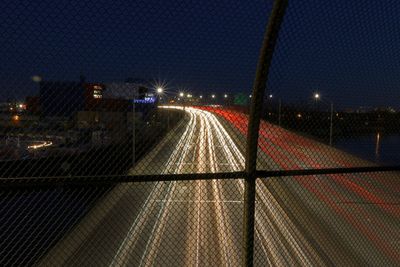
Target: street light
201	97
212	96
133	129
317	97
36	78
181	94
279	108
225	95
331	126
279	112
159	90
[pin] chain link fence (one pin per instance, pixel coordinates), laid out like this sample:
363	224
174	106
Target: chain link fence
130	135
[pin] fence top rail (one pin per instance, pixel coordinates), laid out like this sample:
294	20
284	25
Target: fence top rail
112	179
62	181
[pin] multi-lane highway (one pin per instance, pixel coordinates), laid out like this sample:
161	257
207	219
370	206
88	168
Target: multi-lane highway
320	220
351	219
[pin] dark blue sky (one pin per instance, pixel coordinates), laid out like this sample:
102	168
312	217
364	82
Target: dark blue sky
349	51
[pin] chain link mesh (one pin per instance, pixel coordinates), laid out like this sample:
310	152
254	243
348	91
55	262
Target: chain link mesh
332	82
124	134
163	223
339	219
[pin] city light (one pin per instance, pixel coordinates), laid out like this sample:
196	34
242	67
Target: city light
225	95
181	94
44	144
36	78
146	100
270	96
159	87
250	96
316	96
189	95
201	97
213	96
97	93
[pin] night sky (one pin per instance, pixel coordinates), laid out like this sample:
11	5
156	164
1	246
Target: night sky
346	50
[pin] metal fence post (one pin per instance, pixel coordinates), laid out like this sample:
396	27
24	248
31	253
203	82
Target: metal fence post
264	62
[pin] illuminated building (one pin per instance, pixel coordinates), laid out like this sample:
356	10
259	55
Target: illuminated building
65	99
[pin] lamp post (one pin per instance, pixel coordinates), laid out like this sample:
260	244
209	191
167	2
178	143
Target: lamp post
317	97
279	112
331	126
279	108
225	102
133	130
181	99
160	91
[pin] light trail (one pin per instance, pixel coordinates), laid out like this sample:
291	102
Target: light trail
200	218
236	160
283	149
41	145
122	255
197	223
278	219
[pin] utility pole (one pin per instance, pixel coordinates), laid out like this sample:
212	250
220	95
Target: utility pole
133	129
279	112
331	126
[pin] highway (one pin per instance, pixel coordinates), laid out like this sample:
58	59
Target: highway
349	219
317	220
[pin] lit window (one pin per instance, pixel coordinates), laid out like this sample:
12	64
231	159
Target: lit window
97	94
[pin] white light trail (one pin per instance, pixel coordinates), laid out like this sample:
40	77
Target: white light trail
264	196
41	145
204	136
